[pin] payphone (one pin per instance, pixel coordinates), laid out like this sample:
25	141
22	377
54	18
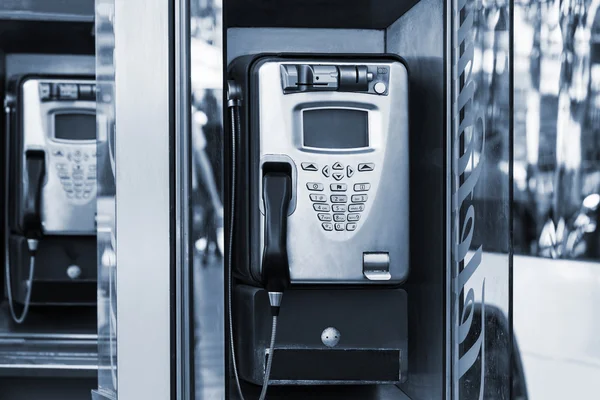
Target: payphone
51	130
319	191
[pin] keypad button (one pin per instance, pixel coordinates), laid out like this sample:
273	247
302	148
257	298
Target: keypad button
351	226
78	178
63	174
78	195
338	176
70	195
86	156
321	207
324	217
92	168
365	167
339	217
339	198
349	171
309	166
89	187
356	207
362	187
338	166
339	227
61	166
314	186
353	217
91	177
58	153
328	226
67	185
326	171
86	195
77	154
339	208
338	187
318	197
359	198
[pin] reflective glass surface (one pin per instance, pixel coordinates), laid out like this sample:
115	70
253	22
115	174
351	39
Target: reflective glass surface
105	220
556	187
481	202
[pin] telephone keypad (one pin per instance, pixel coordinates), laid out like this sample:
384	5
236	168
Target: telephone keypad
345	216
339	208
353	217
338	176
356	207
314	186
339	217
77	172
321	198
338	187
321	207
324	217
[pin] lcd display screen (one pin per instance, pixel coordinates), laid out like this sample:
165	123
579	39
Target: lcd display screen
76	126
335	128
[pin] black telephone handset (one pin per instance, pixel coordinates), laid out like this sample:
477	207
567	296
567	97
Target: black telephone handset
277	192
35	166
32	224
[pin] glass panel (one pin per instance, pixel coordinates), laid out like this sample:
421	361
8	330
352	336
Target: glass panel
207	251
557	187
106	170
481	201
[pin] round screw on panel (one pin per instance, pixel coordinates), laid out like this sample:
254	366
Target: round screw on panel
74	271
380	88
330	337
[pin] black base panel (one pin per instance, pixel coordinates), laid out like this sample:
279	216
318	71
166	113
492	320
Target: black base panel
339	366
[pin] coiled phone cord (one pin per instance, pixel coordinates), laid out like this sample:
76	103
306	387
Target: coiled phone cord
236	127
32	244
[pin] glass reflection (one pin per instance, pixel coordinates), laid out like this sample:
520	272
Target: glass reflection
107	301
207	197
557	128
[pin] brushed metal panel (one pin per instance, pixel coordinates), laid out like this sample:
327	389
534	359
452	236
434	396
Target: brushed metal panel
143	119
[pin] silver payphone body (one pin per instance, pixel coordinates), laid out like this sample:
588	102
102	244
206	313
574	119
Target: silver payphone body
320	181
59	118
342	127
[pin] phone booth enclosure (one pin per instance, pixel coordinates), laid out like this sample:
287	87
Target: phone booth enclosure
455	299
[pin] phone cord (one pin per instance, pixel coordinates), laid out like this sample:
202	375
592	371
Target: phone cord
235	123
32	243
263	393
235	128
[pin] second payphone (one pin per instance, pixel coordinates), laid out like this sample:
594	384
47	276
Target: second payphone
320	205
51	193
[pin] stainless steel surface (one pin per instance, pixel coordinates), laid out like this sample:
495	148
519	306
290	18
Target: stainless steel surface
143	181
388	150
376	266
275	298
62	213
183	189
330	337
